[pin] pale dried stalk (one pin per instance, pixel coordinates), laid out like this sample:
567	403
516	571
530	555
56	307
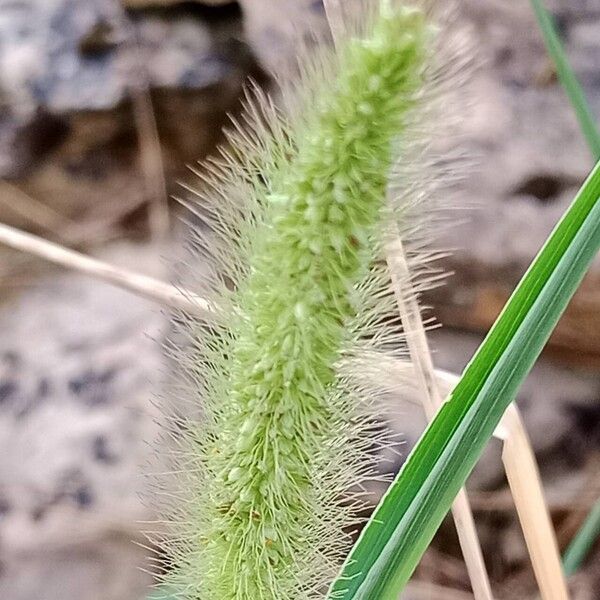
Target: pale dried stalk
145	286
524	481
526	488
151	160
432	399
33	210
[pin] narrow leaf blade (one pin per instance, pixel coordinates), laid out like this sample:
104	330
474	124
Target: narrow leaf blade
583	541
567	77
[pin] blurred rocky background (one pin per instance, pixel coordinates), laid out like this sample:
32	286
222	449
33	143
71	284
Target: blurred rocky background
102	106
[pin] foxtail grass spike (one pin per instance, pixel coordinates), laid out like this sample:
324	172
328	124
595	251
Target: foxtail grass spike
276	436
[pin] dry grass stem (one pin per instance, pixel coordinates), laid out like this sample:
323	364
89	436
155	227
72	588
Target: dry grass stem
34	211
151	160
137	283
524	481
424	371
102	226
526	487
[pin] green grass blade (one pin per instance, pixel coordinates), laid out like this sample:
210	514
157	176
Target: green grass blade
408	516
583	541
567	77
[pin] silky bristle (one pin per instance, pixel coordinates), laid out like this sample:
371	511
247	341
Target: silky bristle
275	434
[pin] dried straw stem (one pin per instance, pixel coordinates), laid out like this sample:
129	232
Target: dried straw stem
524	481
525	484
423	366
33	210
137	283
432	399
151	161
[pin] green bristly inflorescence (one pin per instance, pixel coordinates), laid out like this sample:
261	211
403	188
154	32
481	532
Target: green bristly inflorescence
281	439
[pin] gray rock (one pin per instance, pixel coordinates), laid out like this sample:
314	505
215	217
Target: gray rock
153	3
80	362
77	55
69	133
274	28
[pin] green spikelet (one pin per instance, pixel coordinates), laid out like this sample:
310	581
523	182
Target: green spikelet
284	434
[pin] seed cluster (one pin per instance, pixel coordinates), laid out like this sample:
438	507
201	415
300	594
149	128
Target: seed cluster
281	443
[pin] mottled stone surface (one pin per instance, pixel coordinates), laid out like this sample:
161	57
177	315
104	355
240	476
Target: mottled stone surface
80	362
69	73
154	3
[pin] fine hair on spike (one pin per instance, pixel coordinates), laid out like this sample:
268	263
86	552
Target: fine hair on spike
273	431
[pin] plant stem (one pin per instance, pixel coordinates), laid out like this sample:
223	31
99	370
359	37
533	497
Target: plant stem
421	357
583	541
424	370
145	286
524	481
568	78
